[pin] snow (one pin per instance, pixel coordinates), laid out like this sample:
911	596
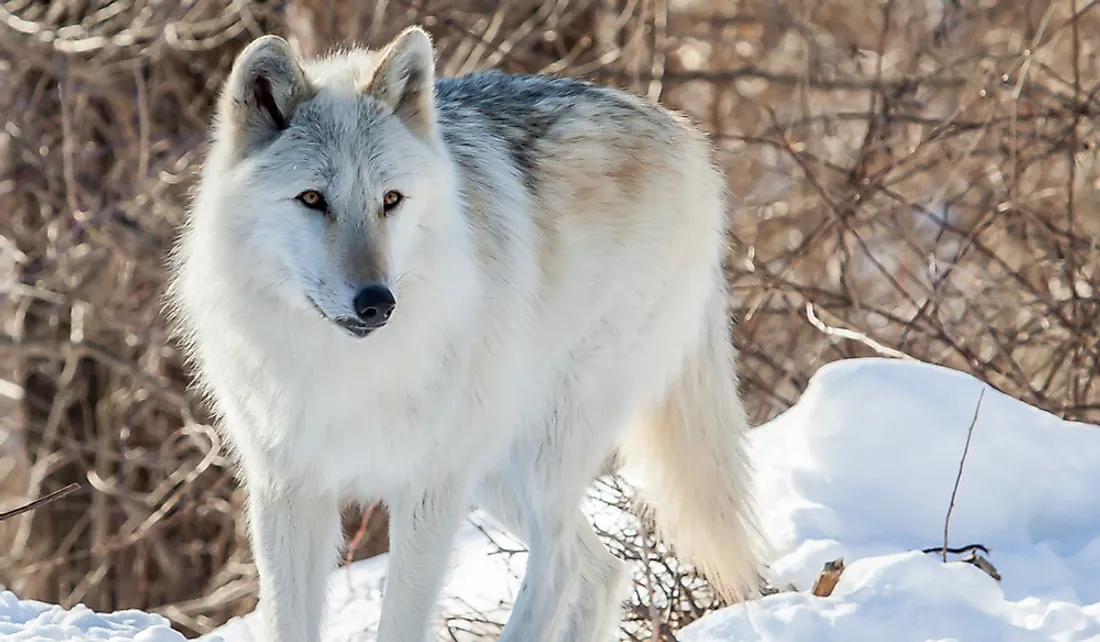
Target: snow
481	587
861	468
30	620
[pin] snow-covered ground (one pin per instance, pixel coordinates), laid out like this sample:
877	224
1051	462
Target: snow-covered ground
861	468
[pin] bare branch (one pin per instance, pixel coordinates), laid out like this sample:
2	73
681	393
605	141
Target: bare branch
57	494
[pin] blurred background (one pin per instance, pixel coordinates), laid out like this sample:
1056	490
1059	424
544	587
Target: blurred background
913	179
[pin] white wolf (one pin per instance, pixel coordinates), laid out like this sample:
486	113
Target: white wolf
448	292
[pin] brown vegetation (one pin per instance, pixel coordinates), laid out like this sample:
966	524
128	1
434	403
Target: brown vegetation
914	179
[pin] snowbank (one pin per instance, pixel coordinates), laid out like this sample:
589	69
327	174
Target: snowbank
29	620
861	468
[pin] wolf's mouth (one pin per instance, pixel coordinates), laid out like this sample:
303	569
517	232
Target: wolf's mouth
355	328
348	324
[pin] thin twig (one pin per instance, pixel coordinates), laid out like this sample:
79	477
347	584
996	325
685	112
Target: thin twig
57	494
654	619
956	550
845	333
958	477
360	533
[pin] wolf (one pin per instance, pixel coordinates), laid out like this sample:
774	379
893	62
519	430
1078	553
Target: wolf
454	292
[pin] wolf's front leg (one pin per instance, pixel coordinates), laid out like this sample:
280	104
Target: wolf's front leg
423	526
295	541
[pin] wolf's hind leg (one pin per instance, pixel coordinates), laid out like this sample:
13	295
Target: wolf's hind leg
549	583
549	470
597	605
593	607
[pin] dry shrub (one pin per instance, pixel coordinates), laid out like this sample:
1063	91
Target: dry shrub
914	178
928	183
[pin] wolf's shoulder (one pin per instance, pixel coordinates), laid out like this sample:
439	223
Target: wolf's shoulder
534	101
531	115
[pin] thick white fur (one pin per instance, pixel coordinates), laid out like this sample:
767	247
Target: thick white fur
510	371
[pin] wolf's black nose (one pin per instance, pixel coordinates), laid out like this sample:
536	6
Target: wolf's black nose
373	305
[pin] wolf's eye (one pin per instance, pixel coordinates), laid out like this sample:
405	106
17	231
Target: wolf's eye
391	200
313	200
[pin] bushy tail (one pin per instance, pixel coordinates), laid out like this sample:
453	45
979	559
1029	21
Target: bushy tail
695	478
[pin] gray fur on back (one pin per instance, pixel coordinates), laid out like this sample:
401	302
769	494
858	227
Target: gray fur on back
518	111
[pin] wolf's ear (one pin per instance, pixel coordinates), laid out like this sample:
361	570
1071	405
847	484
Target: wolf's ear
264	88
404	80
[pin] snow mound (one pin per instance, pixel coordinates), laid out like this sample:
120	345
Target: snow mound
861	468
33	621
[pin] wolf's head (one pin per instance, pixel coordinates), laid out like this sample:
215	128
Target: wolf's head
329	169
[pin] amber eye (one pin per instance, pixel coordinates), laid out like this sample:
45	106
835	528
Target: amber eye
391	200
313	200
